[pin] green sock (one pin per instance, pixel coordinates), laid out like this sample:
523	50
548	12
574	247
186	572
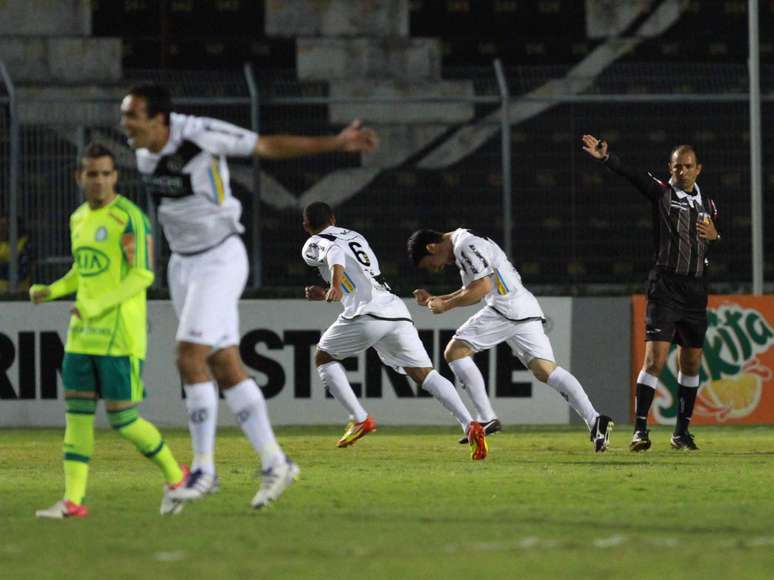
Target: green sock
78	448
147	439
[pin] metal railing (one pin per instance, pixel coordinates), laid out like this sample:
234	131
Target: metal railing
506	160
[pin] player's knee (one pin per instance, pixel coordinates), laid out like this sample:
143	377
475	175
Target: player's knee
321	357
541	369
690	367
80	406
191	365
690	360
455	350
655	359
418	375
653	366
227	372
120	418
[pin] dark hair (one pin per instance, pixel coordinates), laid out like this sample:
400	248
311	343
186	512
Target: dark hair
157	100
417	244
684	149
96	150
318	215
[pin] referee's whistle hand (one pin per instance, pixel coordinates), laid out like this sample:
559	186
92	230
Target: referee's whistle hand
707	230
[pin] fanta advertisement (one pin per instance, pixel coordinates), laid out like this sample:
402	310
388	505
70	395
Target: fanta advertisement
737	372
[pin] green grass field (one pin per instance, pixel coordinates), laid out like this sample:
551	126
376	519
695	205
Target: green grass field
406	503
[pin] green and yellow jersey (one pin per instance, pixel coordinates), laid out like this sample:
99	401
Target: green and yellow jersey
112	268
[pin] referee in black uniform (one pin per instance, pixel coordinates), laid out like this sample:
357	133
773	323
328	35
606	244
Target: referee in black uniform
684	228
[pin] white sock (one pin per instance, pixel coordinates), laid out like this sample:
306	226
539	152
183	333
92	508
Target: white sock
687	380
201	400
471	378
569	387
447	395
335	380
248	405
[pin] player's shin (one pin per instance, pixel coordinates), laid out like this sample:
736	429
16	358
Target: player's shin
246	401
689	387
471	378
78	446
148	441
569	387
201	401
646	390
335	380
444	391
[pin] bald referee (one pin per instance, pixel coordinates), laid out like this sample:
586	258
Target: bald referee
685	228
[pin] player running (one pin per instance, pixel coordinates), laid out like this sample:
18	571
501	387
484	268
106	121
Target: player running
373	317
183	162
107	336
510	314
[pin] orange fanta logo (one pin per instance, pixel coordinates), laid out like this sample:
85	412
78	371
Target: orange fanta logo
733	375
734	398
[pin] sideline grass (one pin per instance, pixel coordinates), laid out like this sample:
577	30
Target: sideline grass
406	503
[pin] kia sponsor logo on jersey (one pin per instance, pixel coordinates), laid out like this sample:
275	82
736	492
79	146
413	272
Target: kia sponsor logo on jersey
91	261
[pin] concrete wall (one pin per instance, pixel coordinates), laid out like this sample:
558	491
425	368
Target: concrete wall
334	58
61	59
45	17
601	353
337	18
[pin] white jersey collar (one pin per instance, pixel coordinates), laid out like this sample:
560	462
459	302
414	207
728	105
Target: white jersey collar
693	198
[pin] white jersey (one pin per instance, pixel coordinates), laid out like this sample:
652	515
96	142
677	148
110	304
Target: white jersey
365	292
477	258
190	179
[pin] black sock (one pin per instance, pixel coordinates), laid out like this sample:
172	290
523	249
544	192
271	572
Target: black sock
686	397
644	399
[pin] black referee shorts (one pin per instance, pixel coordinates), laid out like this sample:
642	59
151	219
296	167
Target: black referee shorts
677	309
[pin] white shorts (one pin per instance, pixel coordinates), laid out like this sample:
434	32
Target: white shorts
396	341
205	290
486	329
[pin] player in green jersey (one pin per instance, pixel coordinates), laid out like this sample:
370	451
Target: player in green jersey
107	337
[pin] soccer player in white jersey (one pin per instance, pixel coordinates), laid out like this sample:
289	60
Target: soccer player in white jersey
182	160
373	317
510	314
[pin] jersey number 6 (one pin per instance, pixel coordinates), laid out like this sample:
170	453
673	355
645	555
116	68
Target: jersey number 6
361	256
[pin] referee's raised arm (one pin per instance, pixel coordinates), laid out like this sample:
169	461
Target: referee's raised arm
643	182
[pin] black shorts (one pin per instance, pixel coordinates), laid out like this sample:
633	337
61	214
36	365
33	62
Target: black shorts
677	309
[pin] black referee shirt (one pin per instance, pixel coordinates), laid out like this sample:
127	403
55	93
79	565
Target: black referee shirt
678	247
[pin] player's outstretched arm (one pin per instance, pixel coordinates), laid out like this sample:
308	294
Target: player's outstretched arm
67	284
353	139
643	182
